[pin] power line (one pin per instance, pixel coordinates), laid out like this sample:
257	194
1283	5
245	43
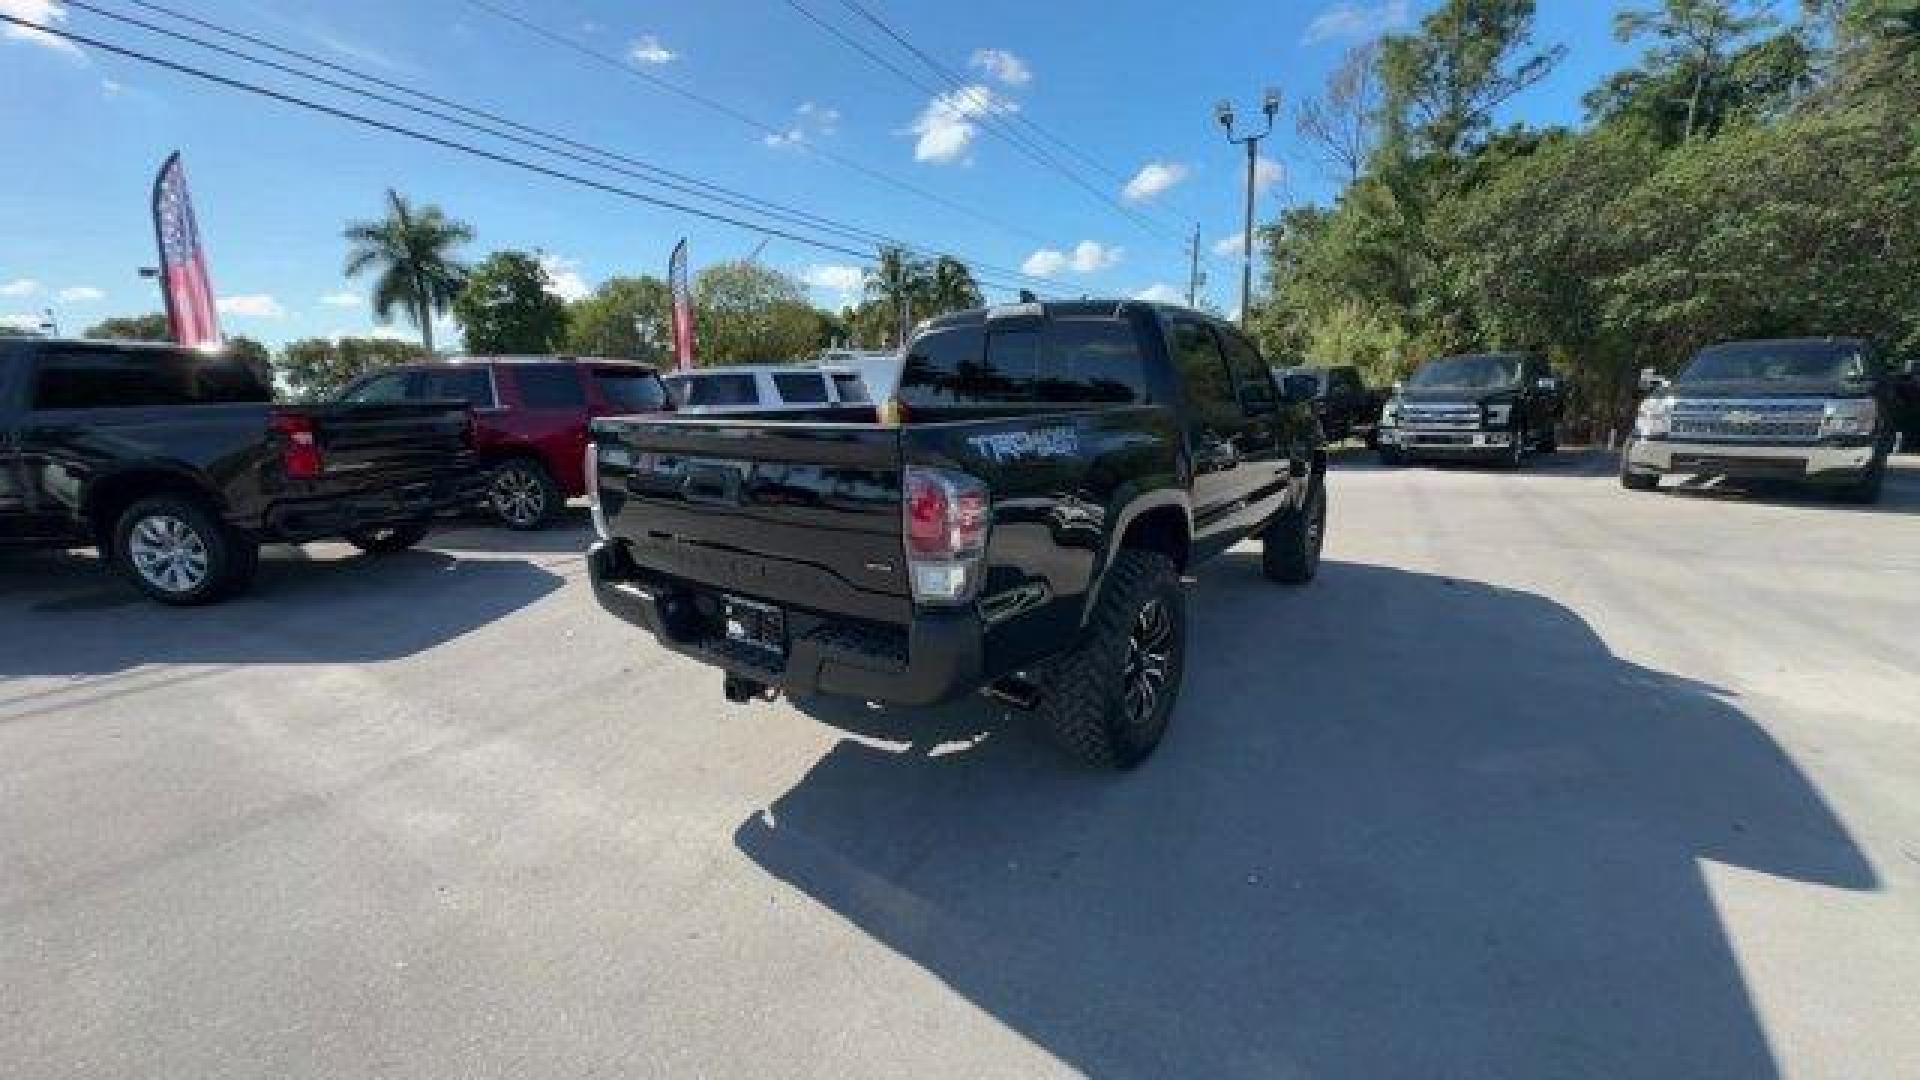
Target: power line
687	185
990	118
739	116
428	137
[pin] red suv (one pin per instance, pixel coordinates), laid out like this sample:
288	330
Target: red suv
530	417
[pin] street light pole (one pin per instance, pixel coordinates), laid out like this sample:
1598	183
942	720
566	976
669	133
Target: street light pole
1223	112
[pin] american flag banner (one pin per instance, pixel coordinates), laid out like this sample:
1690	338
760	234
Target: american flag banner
183	264
682	307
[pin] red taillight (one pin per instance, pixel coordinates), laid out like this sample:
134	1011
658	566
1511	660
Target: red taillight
299	453
947	518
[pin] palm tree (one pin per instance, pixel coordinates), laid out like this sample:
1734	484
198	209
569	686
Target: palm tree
950	287
899	282
413	252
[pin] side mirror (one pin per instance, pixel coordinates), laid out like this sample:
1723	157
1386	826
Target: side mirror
1652	381
1547	384
1299	387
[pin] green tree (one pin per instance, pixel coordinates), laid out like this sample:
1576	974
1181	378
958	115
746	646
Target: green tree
1444	81
949	286
897	283
1695	39
625	316
316	369
413	253
508	306
152	326
746	312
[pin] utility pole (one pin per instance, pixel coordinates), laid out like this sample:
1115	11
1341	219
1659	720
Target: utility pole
1193	272
1223	112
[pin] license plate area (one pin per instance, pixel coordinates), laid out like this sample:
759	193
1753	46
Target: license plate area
751	622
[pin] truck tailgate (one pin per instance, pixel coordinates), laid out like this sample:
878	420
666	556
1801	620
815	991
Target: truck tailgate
381	443
804	515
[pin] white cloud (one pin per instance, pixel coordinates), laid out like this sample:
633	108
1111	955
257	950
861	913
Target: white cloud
946	127
811	120
1230	245
44	12
1161	293
80	294
1267	172
19	286
251	306
343	298
840	280
111	87
1087	257
1002	65
1153	178
563	276
1357	21
389	332
648	50
20	322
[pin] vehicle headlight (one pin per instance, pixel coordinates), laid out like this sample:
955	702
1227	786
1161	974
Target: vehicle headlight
1499	413
1852	419
1655	419
1390	413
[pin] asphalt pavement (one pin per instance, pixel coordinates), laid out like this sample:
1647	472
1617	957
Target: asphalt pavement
1541	778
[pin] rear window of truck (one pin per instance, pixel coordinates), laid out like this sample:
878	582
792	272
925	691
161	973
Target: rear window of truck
640	391
1083	361
110	378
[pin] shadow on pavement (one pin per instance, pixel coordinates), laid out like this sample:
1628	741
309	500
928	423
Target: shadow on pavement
1458	838
570	532
66	615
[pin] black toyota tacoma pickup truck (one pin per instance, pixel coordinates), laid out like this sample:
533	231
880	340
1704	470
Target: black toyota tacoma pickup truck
176	464
1016	520
1489	407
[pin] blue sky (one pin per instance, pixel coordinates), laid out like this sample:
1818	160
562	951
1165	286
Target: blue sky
1129	84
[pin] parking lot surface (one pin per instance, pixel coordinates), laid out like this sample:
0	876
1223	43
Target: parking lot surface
1541	778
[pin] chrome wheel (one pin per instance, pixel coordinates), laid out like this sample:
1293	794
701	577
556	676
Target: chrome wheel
1149	665
168	553
518	496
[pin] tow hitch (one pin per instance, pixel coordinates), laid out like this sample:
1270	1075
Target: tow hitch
740	690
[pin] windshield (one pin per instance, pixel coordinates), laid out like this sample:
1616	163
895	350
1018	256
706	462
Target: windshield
1467	373
1779	362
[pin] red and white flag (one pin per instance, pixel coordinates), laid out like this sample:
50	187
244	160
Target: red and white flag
183	264
682	307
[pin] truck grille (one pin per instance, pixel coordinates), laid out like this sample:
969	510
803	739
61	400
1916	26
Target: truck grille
1767	421
1464	416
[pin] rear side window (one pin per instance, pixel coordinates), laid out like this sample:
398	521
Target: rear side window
391	387
723	389
131	379
850	387
1210	395
1073	361
550	386
640	391
1250	373
801	387
471	385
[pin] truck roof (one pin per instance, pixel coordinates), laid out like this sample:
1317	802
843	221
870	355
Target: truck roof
1059	309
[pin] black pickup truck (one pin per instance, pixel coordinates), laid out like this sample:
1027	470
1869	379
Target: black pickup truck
1345	405
1016	520
1492	407
176	464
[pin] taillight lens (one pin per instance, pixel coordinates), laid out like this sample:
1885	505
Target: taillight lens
299	452
948	516
590	471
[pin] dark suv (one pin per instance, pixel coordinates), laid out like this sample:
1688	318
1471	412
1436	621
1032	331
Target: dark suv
530	415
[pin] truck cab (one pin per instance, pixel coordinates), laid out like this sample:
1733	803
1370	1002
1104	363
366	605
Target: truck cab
1814	411
1491	407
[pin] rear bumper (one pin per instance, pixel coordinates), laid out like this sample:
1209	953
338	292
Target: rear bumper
296	520
937	658
1838	464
